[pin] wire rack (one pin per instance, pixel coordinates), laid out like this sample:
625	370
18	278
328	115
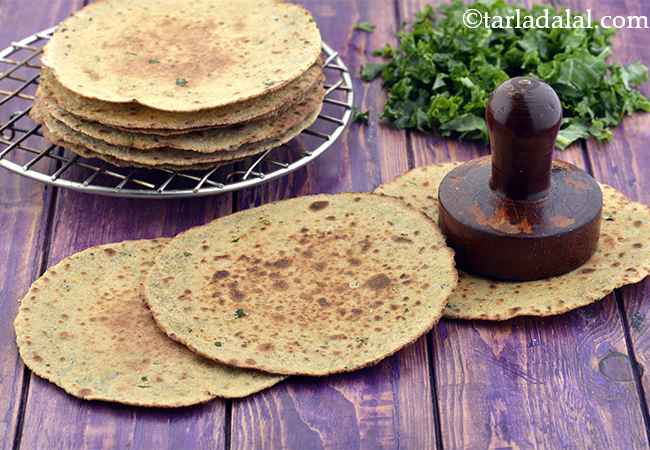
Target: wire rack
24	150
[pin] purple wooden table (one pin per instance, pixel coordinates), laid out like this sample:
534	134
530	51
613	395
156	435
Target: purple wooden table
571	382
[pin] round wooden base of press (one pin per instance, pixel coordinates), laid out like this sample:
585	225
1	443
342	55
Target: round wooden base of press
497	237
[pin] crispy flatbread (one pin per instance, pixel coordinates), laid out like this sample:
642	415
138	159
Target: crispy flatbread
135	117
184	56
84	326
314	285
207	141
85	146
622	258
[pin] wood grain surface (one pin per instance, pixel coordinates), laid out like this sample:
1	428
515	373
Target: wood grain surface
624	163
570	382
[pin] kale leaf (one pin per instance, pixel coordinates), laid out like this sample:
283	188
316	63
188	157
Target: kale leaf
365	26
359	116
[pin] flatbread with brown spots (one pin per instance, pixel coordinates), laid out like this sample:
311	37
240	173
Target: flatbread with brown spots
313	285
212	140
135	117
60	134
85	327
182	56
622	258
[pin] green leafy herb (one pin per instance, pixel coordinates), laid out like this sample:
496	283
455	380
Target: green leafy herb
365	26
144	380
154	61
218	344
371	71
359	116
442	73
239	313
385	52
181	82
571	133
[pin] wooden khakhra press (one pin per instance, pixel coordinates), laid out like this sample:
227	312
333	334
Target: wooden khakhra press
524	216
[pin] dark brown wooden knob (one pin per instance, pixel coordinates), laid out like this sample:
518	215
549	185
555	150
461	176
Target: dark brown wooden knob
523	117
521	216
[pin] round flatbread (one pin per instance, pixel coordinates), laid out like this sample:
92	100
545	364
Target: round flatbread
622	258
314	285
418	188
184	56
86	146
206	141
135	117
85	327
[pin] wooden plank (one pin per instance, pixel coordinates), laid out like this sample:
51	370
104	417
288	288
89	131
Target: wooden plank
386	406
624	163
24	209
562	382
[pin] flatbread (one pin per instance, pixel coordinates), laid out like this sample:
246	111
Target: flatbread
313	285
85	153
184	56
60	134
135	117
84	326
418	188
622	258
206	141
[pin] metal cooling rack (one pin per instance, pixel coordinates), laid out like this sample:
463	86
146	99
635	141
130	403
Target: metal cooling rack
24	150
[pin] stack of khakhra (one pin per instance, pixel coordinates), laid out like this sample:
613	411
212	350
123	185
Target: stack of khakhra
180	85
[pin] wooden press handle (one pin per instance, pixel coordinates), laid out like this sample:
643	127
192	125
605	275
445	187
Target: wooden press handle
523	117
